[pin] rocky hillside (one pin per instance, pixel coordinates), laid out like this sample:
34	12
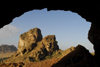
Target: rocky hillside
7	48
38	51
73	57
79	57
32	47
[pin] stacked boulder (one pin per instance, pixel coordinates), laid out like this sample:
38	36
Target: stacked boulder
34	46
28	40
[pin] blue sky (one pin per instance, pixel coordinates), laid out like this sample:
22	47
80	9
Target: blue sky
70	28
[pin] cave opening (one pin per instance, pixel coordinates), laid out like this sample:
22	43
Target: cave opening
64	24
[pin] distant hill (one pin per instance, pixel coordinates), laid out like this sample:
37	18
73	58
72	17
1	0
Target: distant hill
4	48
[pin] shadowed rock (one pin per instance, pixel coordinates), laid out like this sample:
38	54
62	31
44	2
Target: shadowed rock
80	57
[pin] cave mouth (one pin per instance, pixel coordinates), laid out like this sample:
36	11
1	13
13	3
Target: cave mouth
58	28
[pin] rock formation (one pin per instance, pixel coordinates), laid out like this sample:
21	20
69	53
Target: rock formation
7	48
74	57
33	47
50	43
79	57
28	40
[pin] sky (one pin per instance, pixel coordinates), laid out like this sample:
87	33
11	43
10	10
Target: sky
69	28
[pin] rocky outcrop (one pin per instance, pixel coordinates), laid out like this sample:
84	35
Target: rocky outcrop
45	47
50	43
7	48
32	47
79	57
28	40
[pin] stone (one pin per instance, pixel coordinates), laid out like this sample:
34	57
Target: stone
33	47
79	56
28	40
50	43
44	48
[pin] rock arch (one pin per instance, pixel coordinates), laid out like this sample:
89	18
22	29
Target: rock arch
90	13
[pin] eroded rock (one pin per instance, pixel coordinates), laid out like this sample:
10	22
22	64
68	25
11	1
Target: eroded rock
28	40
45	47
32	47
50	43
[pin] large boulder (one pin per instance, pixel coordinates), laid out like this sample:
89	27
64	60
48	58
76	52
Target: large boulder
28	40
44	48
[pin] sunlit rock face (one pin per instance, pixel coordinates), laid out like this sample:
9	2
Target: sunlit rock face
33	47
28	40
44	48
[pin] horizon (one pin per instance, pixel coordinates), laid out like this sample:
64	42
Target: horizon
69	28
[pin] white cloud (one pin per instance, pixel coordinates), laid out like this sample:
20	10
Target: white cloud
8	30
8	34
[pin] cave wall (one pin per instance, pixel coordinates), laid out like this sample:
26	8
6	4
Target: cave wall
91	13
94	37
